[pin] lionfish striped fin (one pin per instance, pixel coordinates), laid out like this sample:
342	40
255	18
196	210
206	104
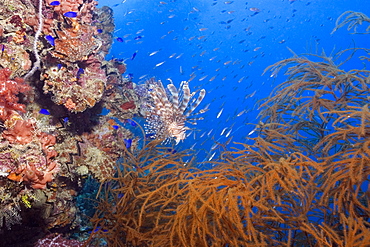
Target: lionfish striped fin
201	111
160	98
168	104
175	95
202	93
185	97
156	97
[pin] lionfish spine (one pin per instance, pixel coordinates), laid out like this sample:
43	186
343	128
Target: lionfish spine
202	93
159	96
157	103
186	96
168	106
175	95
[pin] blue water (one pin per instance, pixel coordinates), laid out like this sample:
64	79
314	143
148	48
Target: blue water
237	46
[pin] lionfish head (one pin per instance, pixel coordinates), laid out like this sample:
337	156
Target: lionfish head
177	131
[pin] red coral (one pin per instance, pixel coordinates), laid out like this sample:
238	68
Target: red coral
35	169
36	165
47	141
128	105
17	21
20	132
36	178
121	66
8	94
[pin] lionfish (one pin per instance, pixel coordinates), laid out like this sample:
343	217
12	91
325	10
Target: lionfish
168	110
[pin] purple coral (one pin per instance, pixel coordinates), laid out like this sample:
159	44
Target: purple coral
7	163
57	241
142	90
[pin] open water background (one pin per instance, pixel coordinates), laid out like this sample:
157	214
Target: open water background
224	47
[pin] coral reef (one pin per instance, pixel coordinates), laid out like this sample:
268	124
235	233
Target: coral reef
77	87
14	58
46	153
120	97
100	149
75	44
28	152
73	74
105	26
27	162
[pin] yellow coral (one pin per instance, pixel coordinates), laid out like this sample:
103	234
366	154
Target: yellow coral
25	201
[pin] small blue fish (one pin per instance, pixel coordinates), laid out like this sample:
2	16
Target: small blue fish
130	76
115	127
59	66
119	39
100	30
133	55
44	112
80	72
70	14
2	50
50	39
137	37
104	112
127	142
132	122
54	3
97	229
